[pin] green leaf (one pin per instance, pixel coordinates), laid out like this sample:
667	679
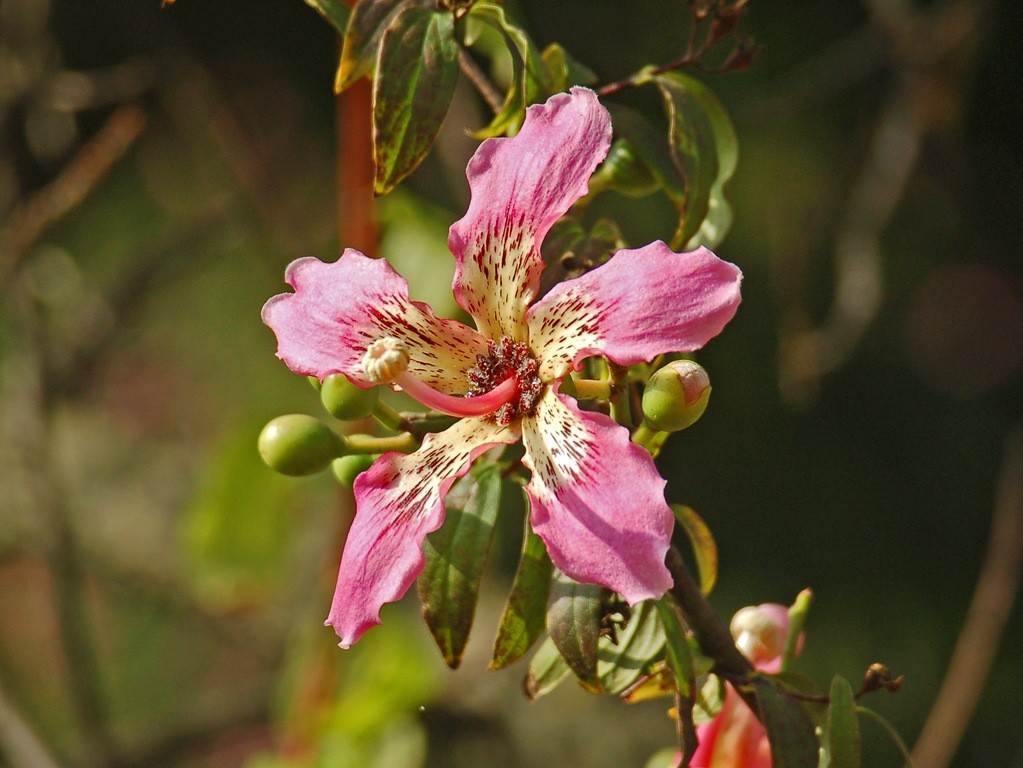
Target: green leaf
525	615
638	646
797	619
359	53
719	213
546	670
653	150
455	555
843	742
691	137
678	653
710	700
573	621
531	80
702	541
416	75
334	11
789	729
564	70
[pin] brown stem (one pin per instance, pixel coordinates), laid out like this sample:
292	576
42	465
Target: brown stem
479	78
989	610
713	636
79	177
356	209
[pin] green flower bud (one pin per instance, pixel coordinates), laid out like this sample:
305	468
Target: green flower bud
676	396
347	468
299	445
344	400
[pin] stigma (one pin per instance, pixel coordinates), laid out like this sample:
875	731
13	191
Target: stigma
387	361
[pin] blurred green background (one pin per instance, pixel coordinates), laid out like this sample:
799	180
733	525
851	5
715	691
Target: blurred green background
162	592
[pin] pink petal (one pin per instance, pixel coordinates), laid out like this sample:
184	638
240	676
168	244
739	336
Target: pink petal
338	309
597	499
641	303
399	500
733	739
520	186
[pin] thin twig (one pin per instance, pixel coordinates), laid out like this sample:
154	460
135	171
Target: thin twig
713	636
985	621
479	78
920	42
30	428
79	177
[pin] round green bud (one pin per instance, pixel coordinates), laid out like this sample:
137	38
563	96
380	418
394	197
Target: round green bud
676	396
299	445
346	401
347	468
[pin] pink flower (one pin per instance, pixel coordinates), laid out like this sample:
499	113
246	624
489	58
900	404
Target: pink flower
597	499
735	738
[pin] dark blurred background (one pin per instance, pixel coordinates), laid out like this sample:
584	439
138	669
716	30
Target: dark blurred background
162	592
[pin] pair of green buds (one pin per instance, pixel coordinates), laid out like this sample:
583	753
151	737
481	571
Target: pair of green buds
674	398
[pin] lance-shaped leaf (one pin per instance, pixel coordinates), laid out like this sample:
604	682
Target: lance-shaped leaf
417	68
718	218
638	646
546	670
334	11
369	19
691	137
531	80
789	728
678	654
843	741
525	615
455	555
573	621
704	547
